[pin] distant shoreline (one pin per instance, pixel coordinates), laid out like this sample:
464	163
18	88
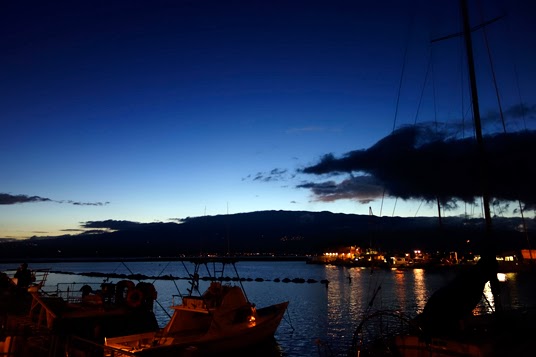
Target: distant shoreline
153	259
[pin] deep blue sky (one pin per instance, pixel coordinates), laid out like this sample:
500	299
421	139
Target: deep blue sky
156	110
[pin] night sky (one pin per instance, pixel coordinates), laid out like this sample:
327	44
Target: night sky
152	111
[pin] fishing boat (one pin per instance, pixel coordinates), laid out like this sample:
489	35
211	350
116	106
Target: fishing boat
220	319
37	319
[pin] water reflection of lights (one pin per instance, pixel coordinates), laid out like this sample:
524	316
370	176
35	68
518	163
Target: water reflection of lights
510	277
489	304
400	289
507	288
420	288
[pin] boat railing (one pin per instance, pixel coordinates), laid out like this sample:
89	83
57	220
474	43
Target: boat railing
42	312
85	348
377	329
181	300
73	292
39	278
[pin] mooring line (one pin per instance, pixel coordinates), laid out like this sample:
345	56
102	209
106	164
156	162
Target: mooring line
288	321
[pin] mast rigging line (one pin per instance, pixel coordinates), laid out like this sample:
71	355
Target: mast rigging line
494	77
404	61
403	70
161	272
428	69
472	29
503	121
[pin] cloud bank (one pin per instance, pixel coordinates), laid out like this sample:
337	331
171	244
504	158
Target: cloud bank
8	199
418	163
111	224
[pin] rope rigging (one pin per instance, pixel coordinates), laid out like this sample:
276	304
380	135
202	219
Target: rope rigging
502	117
403	70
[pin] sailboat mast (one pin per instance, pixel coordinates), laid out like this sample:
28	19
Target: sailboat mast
476	113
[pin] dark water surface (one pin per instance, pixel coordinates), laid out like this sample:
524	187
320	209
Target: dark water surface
321	318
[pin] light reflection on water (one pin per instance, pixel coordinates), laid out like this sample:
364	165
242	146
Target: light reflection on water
319	317
420	291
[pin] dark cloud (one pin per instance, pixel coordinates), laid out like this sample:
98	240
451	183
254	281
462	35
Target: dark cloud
517	117
111	224
362	188
86	203
94	231
519	111
273	175
419	163
522	111
7	199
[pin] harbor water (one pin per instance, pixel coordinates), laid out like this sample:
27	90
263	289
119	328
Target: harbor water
321	318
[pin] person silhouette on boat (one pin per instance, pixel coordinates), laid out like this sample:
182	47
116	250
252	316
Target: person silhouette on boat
24	276
450	305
